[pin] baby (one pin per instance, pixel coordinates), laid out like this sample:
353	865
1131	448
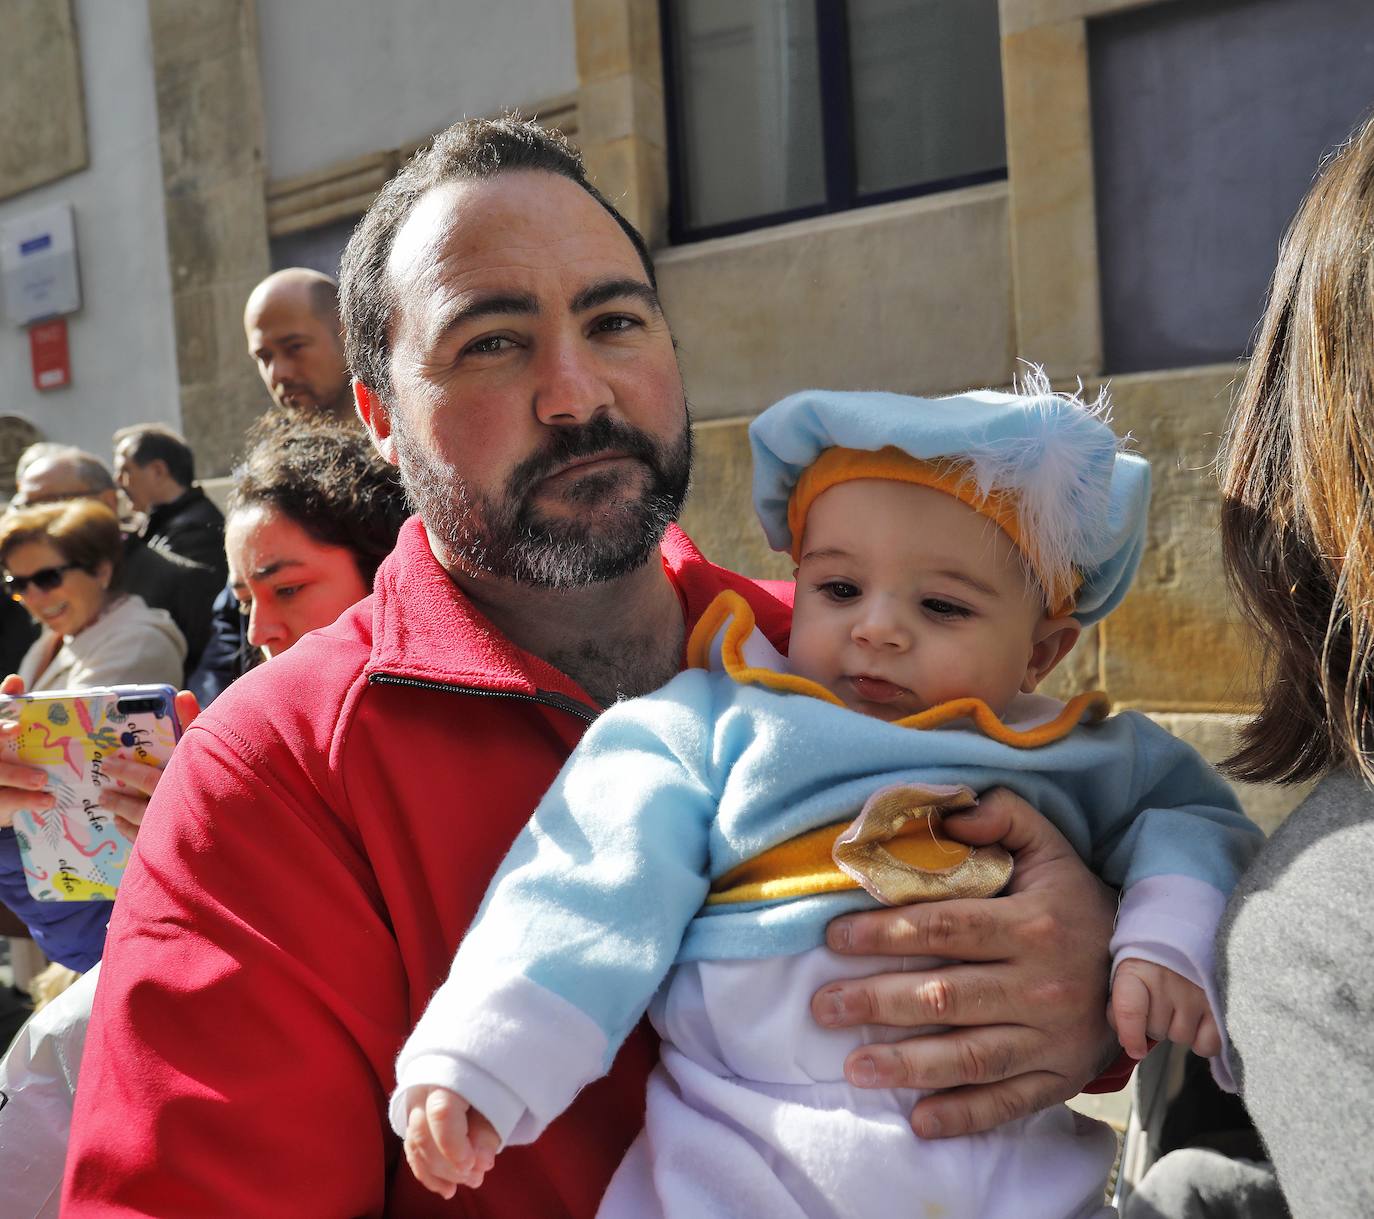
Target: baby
949	552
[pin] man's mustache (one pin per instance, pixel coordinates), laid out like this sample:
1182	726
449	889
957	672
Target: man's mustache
584	440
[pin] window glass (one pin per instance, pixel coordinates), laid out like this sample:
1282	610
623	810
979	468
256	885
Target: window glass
749	110
926	82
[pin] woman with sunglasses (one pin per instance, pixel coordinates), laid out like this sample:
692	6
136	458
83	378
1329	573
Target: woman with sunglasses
59	560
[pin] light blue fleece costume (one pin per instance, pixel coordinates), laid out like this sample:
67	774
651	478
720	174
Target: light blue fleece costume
602	899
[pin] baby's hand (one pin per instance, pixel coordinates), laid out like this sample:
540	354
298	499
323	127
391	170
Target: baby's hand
448	1143
1151	1001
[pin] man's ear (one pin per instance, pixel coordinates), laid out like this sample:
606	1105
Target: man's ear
1053	640
376	417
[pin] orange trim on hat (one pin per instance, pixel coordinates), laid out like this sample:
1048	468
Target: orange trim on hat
950	475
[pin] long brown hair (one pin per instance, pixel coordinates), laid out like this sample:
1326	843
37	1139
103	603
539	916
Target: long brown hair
1297	474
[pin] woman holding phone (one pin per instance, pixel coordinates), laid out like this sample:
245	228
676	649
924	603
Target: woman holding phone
59	560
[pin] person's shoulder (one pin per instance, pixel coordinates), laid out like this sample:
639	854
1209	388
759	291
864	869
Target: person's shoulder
194	510
311	677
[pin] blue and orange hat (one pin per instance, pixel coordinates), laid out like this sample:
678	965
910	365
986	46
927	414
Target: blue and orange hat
1045	466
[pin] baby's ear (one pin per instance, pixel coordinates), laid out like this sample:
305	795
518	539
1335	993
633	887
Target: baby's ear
1053	640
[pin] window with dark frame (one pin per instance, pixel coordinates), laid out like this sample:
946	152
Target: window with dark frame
783	109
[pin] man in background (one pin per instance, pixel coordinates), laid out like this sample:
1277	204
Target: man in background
291	323
292	326
156	470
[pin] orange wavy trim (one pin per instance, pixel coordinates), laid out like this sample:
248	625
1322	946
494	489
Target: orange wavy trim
734	613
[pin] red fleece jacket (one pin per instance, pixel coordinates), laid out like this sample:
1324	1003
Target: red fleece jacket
314	853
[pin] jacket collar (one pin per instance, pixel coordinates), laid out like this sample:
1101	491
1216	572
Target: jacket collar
165	512
424	628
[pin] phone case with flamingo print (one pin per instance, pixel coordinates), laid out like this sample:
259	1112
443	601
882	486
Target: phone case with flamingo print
73	852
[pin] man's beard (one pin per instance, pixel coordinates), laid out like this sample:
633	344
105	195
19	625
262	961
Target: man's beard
508	537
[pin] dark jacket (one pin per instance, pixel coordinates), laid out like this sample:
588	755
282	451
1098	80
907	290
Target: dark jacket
17	631
186	590
190	526
228	655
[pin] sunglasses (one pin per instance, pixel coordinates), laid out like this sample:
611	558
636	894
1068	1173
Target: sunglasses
45	580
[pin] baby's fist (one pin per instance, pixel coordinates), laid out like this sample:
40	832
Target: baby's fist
1152	1003
448	1143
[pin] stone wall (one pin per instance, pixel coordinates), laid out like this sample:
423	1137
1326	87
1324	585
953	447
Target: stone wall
211	133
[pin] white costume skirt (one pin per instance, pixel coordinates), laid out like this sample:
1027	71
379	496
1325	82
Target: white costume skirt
749	1115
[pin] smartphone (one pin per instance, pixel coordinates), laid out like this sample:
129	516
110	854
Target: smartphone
73	852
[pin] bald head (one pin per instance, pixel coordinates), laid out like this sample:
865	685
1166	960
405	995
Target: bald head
291	323
66	474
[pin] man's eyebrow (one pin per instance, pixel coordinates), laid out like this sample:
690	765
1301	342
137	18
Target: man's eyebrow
613	289
471	307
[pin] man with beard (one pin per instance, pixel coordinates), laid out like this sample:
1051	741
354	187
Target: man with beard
331	822
292	326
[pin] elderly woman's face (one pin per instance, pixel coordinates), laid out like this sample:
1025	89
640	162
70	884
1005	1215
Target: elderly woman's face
286	582
77	599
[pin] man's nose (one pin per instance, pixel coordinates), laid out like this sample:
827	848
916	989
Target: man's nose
572	387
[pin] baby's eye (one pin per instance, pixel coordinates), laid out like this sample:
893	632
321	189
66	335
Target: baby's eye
945	609
839	590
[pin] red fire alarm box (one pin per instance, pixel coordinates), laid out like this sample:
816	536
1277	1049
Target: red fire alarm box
52	364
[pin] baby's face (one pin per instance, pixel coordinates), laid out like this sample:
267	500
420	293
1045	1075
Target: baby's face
907	598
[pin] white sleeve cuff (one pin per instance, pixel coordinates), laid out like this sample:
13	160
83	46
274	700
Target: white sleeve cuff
517	1052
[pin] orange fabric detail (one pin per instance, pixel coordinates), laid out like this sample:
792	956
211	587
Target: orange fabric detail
804	865
732	612
950	475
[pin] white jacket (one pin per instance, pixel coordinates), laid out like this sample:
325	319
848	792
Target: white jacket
130	644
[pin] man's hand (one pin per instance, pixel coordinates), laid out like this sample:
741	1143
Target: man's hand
1026	1000
1151	1001
448	1143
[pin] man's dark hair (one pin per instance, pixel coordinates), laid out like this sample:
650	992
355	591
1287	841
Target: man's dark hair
153	442
328	480
467	151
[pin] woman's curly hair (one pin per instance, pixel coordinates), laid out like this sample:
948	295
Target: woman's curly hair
326	478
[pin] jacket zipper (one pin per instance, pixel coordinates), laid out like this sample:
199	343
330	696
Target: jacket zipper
547	698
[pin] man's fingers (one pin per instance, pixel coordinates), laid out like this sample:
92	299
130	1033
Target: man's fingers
909	1000
943	1060
944	1115
973	929
1004	817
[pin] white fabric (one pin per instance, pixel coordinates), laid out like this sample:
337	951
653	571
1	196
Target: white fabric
37	1085
524	1083
749	1114
130	644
